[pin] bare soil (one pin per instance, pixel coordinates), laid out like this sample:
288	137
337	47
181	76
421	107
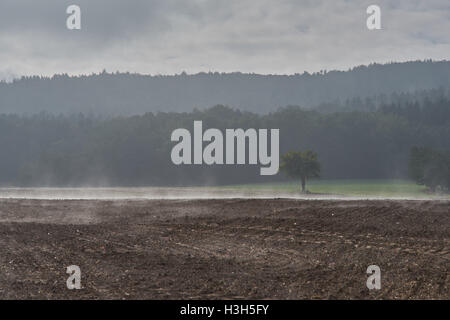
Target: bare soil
224	249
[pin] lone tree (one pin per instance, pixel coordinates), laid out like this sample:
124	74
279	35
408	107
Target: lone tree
301	165
430	168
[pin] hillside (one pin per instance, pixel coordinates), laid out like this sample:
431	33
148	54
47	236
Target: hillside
130	94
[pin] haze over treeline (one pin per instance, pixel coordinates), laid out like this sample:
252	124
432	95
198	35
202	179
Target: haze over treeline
77	150
133	94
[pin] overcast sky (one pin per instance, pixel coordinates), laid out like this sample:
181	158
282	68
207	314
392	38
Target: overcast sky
261	36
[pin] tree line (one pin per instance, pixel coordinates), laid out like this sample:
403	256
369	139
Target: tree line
78	150
130	94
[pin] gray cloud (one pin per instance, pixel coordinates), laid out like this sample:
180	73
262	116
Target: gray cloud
263	36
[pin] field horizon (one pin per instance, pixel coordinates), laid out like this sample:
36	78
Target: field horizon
317	189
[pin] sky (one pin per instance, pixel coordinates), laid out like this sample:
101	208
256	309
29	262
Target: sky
254	36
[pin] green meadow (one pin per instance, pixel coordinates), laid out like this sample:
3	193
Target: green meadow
382	188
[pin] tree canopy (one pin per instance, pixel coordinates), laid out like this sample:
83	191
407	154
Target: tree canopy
301	165
430	168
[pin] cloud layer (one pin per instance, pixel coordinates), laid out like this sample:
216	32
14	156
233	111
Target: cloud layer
261	36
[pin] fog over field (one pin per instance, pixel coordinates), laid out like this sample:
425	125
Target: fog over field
230	192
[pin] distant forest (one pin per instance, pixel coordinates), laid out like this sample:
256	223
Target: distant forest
48	149
113	94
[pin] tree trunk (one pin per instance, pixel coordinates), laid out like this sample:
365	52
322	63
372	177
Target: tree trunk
303	184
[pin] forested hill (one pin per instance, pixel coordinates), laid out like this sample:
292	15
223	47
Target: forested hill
77	150
130	94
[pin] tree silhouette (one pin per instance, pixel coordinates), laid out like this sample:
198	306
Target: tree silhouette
430	168
301	165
